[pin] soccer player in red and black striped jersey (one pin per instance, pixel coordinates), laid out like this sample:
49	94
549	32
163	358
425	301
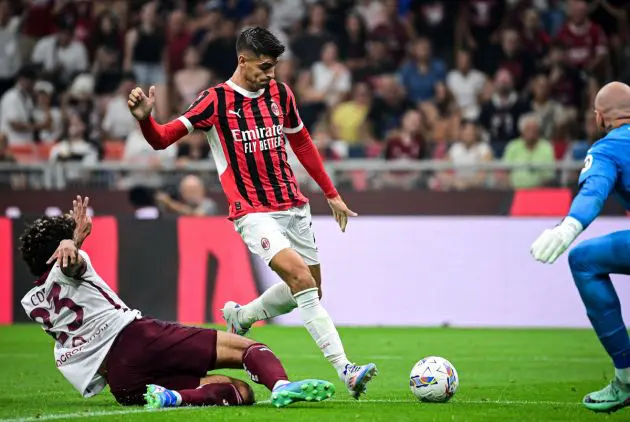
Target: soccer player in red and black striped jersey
247	120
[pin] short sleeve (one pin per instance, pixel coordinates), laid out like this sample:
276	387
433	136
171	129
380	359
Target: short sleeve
292	121
201	113
598	163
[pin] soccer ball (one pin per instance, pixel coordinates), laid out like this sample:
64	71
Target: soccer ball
433	379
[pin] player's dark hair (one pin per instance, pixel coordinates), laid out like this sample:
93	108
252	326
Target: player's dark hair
40	240
259	41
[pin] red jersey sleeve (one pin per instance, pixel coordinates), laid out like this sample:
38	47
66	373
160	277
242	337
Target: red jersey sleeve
201	114
292	121
600	40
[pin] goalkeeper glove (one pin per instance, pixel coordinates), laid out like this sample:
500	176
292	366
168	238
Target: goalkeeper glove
553	242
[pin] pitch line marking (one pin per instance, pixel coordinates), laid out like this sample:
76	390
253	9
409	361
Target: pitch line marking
77	415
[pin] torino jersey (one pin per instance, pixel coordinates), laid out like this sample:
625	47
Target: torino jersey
84	317
246	135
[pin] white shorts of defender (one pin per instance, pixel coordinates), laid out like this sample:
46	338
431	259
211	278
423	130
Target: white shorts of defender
267	233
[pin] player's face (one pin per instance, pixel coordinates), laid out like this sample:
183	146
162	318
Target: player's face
259	71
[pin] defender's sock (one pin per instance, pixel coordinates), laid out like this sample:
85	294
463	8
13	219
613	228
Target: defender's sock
262	366
276	300
320	326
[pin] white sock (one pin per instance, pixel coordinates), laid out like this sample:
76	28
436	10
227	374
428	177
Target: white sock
623	375
320	326
280	383
276	300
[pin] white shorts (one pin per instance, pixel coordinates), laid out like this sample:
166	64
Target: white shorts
267	233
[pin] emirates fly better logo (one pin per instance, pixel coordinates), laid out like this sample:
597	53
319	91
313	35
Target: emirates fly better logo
259	139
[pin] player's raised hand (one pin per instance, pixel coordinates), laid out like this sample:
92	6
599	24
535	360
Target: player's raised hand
81	218
66	253
553	242
340	211
139	104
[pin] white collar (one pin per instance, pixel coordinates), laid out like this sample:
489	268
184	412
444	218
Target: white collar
243	91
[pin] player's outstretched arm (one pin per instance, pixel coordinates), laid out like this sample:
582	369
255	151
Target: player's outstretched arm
159	136
308	155
67	256
596	186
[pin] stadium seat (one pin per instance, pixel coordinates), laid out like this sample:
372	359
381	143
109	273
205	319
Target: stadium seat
114	149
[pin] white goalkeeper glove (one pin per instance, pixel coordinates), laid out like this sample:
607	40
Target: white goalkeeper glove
553	242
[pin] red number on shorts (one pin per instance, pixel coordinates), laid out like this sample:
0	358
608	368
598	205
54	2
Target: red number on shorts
58	305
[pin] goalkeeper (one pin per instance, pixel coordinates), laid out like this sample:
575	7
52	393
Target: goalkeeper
606	169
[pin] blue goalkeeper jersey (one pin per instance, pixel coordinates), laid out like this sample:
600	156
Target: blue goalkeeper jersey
606	169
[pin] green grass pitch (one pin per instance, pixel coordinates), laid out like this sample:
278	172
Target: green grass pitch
505	375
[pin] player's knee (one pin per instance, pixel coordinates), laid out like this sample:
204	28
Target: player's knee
246	392
578	257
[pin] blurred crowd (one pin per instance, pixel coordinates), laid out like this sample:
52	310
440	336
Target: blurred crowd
466	81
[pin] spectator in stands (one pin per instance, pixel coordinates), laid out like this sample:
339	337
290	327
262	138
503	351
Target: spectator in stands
178	39
309	46
353	42
107	71
372	12
193	147
311	101
530	148
500	115
190	81
145	48
467	85
477	28
236	10
393	31
578	149
47	116
10	56
286	14
420	75
5	154
219	55
81	100
74	148
534	39
106	33
118	123
262	17
61	57
142	198
377	63
442	114
567	83
409	142
585	41
406	144
388	107
468	151
435	20
331	78
286	72
549	111
348	120
16	110
194	201
510	55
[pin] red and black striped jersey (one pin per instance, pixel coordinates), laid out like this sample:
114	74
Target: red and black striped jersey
246	135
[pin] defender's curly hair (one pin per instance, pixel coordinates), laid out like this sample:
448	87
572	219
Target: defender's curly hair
40	240
259	41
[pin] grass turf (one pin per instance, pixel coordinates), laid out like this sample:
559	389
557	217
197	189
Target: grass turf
505	375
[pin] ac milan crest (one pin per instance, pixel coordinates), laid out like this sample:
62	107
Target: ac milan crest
274	109
264	242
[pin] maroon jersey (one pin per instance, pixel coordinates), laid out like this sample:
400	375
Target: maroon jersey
582	44
246	135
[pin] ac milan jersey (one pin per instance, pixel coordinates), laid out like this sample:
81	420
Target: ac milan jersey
84	317
582	44
246	135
